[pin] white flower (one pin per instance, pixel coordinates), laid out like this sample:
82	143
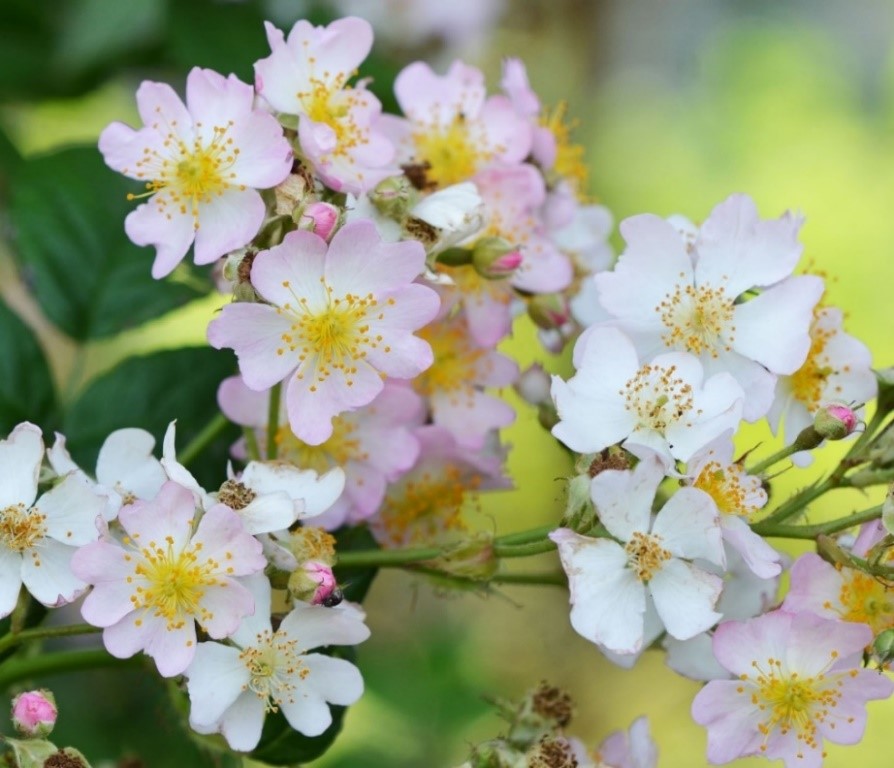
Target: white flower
231	689
662	405
615	583
670	293
38	538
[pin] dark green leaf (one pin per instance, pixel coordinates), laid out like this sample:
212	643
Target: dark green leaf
355	582
68	211
150	392
26	389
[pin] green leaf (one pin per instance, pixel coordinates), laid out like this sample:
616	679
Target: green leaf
26	389
68	211
150	392
355	582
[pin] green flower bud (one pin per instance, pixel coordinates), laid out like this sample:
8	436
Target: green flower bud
393	197
835	421
495	258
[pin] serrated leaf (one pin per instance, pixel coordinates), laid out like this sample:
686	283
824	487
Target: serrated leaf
26	389
68	214
150	392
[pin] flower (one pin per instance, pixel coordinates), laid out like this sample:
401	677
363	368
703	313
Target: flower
202	164
340	319
34	713
616	584
670	293
306	75
231	689
633	748
662	405
38	538
799	680
167	574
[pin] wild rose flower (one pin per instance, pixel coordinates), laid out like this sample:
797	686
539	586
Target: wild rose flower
670	294
39	536
232	687
339	319
663	405
306	75
167	574
646	567
202	164
799	681
633	748
452	130
373	445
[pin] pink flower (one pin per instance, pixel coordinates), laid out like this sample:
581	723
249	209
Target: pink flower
799	681
202	164
452	126
306	75
339	320
34	713
168	574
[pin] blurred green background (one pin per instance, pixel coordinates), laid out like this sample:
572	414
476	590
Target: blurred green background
680	104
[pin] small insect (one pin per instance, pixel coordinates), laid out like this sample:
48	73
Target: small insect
333	598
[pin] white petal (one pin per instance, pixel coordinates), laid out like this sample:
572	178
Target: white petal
10	580
125	461
624	499
47	574
243	722
216	678
71	509
685	597
20	457
314	626
689	526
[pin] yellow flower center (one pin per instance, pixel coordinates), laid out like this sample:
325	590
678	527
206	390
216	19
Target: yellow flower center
866	600
727	486
333	339
191	175
570	164
453	154
272	662
645	555
337	451
809	382
175	582
21	528
455	368
697	319
657	397
332	103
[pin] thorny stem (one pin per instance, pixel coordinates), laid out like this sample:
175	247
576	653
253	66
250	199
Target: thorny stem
812	531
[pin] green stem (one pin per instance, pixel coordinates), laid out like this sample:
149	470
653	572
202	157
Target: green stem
273	421
210	432
251	444
16	670
875	422
43	633
524	550
526	537
806	440
812	531
386	558
801	499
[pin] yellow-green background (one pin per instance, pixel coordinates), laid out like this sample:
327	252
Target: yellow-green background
790	102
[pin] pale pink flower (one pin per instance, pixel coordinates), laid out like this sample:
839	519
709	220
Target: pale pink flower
306	75
799	680
838	368
670	294
454	384
646	566
39	536
202	164
167	574
339	320
633	748
451	127
373	445
232	687
738	497
665	405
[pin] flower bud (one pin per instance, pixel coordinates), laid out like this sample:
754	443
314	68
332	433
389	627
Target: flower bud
883	647
319	218
34	713
314	582
835	421
471	559
533	385
495	258
392	197
549	310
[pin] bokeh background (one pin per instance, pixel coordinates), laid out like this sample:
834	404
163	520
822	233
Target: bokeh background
679	104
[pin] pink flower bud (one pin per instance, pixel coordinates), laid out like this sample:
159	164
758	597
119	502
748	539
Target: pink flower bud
34	713
314	583
549	310
494	258
320	218
835	421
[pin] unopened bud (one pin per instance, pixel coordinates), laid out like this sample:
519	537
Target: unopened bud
314	582
471	559
883	647
34	713
533	385
807	439
392	197
495	258
549	310
835	421
319	218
